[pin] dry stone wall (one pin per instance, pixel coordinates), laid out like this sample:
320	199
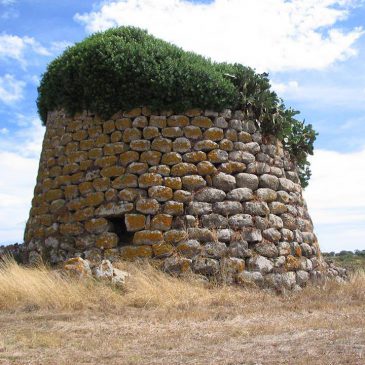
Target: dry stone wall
201	191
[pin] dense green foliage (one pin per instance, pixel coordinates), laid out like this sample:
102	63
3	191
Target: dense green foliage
126	67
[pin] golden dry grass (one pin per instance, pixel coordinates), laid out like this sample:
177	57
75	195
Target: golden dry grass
46	318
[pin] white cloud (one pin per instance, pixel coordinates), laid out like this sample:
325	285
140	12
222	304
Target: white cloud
14	47
11	89
336	199
18	48
322	95
19	156
7	2
268	35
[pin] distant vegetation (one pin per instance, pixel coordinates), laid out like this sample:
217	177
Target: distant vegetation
126	67
350	260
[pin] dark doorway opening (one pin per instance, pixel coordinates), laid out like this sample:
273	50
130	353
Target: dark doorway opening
119	227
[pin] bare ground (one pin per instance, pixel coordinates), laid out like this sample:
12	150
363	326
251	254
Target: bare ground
165	321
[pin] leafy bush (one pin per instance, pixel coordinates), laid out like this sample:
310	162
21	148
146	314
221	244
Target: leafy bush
126	67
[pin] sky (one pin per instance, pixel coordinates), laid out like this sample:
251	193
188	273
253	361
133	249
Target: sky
314	51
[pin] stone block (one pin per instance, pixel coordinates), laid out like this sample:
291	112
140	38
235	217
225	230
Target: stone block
171	158
151	132
131	194
218	156
116	136
130	134
249	181
206	168
162	250
160	193
202	122
172	132
112	171
149	179
214	134
257	208
192	132
138	168
173	182
239	221
183	196
205	145
174	236
140	145
178	121
210	195
53	194
266	195
201	234
161	222
181	145
129	156
199	208
132	253
147	206
174	208
226	145
135	222
260	264
269	181
123	124
214	221
215	250
193	182
71	229
227	208
114	209
140	122
160	144
125	181
147	237
151	157
97	225
162	170
205	266
240	194
195	157
183	169
224	182
158	121
189	248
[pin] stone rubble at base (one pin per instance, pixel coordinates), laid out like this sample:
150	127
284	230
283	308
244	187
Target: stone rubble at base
199	191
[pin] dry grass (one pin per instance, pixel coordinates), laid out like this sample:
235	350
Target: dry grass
46	318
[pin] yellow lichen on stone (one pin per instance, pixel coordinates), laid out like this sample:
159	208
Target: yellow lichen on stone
202	122
161	250
149	179
132	253
183	168
161	222
135	222
147	237
173	182
171	158
94	199
151	157
107	240
112	171
292	263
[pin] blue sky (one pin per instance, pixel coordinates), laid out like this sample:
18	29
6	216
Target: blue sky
313	50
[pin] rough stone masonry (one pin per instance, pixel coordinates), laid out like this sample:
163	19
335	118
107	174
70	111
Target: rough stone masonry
201	191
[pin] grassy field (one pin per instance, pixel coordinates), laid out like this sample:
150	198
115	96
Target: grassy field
48	319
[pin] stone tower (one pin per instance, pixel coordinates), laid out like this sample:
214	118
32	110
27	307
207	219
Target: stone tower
201	190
